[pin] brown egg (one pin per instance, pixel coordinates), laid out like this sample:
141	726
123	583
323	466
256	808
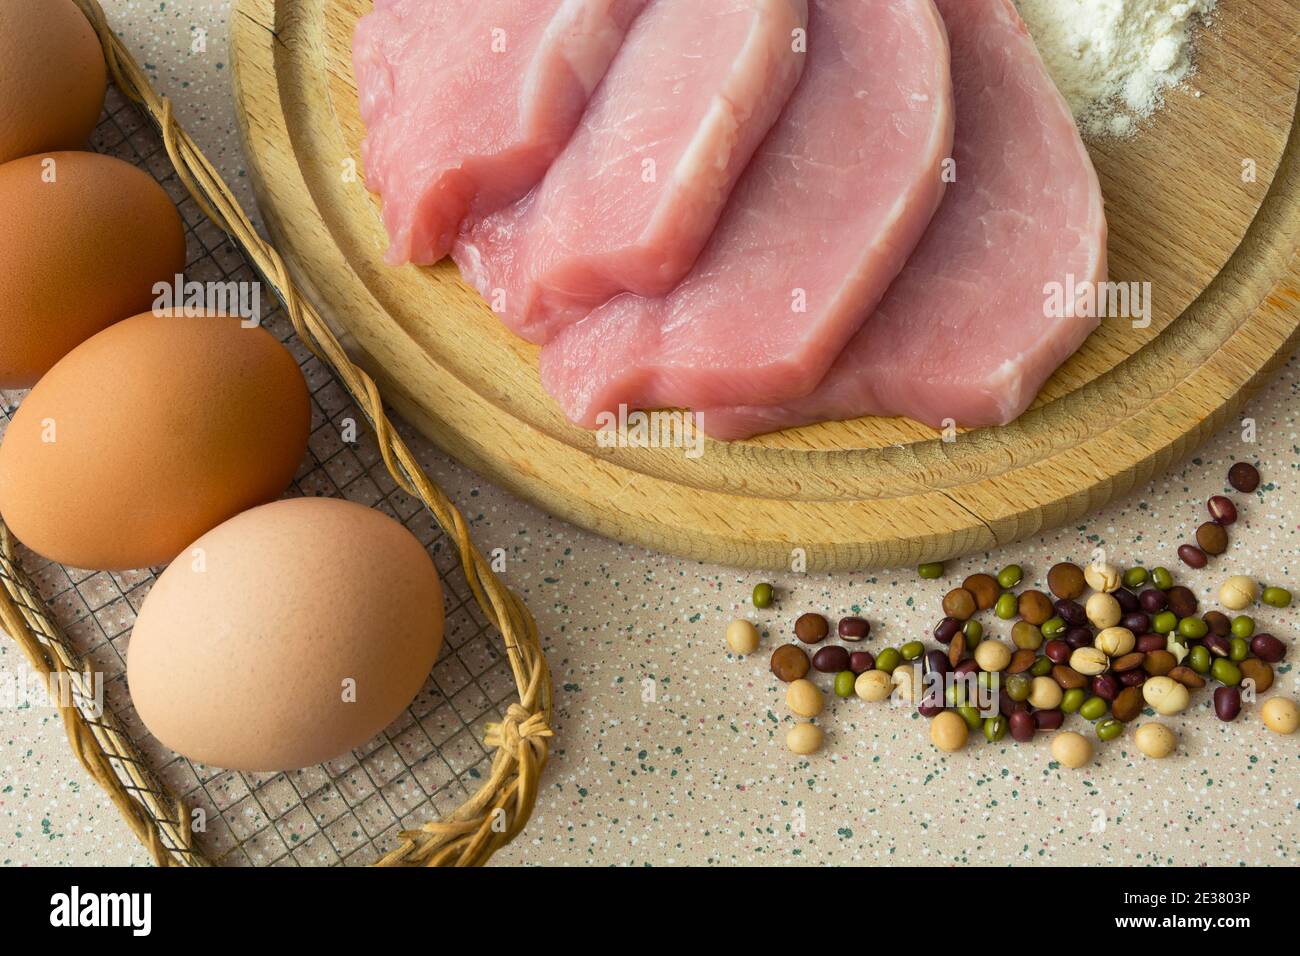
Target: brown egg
148	435
287	636
83	240
52	77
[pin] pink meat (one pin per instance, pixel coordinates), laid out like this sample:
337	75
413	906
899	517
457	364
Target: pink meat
964	333
633	198
467	102
822	222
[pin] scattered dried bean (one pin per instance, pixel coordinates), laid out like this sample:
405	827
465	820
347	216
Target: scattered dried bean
1244	477
789	662
811	628
1222	509
1227	703
831	659
984	588
1066	580
854	629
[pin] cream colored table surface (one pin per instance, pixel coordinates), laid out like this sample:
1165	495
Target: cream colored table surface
695	771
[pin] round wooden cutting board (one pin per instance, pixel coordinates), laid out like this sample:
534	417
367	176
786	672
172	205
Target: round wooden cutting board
1204	204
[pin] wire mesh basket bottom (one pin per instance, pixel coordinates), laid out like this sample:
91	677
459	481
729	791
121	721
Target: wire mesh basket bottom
352	810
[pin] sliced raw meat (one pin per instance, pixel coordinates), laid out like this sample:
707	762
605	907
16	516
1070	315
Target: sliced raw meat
819	226
633	198
467	102
965	334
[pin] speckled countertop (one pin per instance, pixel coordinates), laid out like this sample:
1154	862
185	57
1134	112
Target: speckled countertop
670	751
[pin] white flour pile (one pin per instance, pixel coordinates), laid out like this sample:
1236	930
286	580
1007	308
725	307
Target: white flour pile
1114	59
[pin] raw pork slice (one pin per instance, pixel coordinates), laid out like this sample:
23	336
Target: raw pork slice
821	223
964	333
635	195
466	102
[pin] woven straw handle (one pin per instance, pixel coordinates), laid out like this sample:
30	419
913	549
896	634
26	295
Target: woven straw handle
498	811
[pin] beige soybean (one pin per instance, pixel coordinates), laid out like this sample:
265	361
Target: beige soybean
1089	661
804	739
1026	636
1115	641
1045	693
1103	610
742	637
948	731
1155	740
907	683
1071	749
992	655
873	685
1280	715
1165	695
804	699
1102	577
1238	592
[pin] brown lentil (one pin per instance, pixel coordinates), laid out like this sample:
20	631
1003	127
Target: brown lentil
789	662
1026	635
1244	477
1127	662
1188	677
1259	672
959	603
1035	607
1218	622
957	649
811	628
985	588
1159	663
1127	705
1212	538
1068	677
1182	601
1066	580
1021	661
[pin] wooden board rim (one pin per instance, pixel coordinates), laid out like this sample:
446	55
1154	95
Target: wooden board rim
1249	348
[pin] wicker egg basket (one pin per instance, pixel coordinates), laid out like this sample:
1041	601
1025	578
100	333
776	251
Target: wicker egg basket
517	743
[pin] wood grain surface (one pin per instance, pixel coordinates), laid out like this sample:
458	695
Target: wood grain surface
1220	249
